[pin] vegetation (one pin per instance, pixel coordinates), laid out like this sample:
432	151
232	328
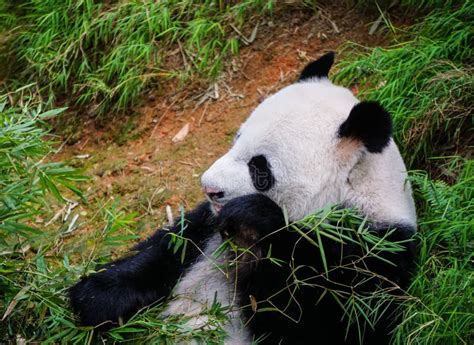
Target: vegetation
104	54
34	259
425	80
439	308
26	178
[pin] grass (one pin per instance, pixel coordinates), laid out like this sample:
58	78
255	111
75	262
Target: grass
82	53
102	55
40	256
439	310
426	81
25	177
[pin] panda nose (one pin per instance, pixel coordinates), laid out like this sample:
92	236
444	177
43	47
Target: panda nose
213	194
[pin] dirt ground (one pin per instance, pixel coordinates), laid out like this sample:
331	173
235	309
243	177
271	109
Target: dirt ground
134	159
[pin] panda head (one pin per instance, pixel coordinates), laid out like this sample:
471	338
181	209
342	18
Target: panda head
312	144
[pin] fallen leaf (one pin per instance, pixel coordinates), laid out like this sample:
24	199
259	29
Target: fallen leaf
183	132
14	301
253	303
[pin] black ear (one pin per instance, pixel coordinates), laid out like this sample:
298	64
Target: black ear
370	123
319	68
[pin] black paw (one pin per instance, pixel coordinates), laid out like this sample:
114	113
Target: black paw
95	300
101	300
249	218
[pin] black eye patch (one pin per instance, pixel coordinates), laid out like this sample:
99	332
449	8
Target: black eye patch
261	173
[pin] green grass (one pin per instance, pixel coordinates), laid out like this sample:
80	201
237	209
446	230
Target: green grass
25	176
425	80
40	256
440	308
26	181
102	55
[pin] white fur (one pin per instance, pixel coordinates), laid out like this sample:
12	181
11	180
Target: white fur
378	186
205	283
296	129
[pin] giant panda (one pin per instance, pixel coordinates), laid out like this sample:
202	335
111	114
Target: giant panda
310	145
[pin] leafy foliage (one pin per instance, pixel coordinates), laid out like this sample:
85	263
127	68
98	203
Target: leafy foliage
26	180
36	265
347	226
440	308
425	80
105	53
25	176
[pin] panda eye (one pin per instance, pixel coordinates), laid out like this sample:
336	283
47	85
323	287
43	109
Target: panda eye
261	173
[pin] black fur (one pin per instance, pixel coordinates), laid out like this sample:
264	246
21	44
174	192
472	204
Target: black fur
306	312
285	314
319	68
370	123
123	287
261	173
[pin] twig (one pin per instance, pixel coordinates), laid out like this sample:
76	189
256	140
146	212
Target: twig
323	14
169	215
71	226
202	115
183	55
162	117
376	25
56	216
231	93
71	206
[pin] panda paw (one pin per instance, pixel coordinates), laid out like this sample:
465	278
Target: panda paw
95	300
249	218
103	301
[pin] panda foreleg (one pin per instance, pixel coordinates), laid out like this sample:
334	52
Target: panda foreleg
123	287
282	271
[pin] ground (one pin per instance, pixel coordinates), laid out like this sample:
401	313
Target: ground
137	161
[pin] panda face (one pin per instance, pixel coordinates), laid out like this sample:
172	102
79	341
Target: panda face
312	144
287	150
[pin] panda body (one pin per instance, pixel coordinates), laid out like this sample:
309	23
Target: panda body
202	286
310	145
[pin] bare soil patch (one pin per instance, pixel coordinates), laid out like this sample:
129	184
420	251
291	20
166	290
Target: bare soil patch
135	159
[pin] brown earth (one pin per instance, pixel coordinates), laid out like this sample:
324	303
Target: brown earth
134	158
